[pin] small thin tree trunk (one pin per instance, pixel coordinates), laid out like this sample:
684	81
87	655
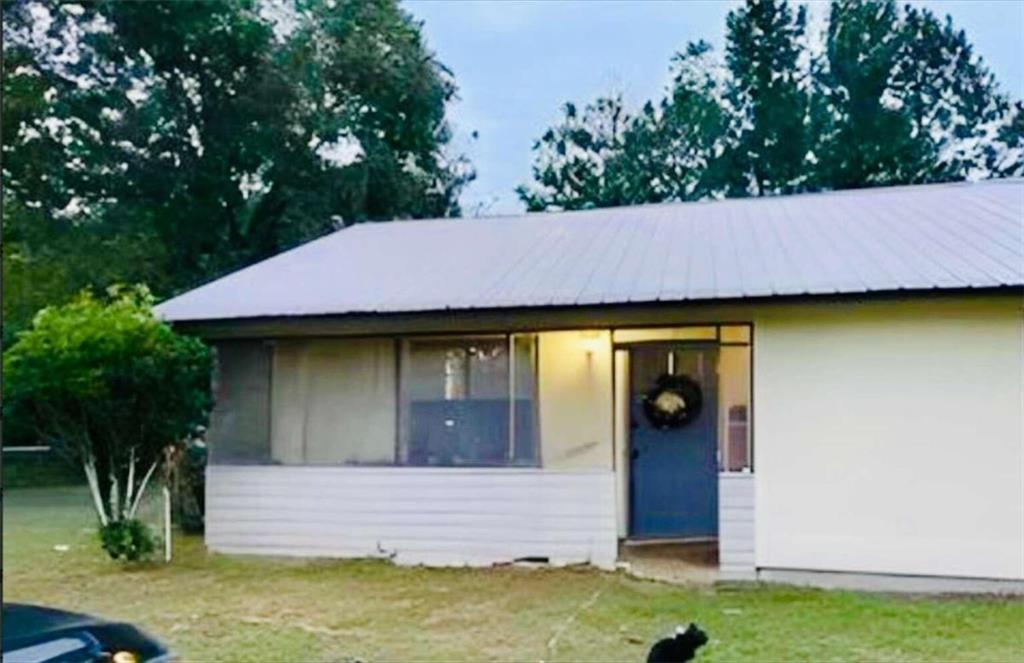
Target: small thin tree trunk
115	497
129	488
94	488
142	489
167	524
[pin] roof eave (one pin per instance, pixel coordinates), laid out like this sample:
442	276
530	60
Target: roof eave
516	318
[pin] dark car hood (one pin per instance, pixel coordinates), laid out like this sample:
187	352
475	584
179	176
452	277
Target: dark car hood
22	622
24	625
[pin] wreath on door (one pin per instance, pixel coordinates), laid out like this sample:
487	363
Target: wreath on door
674	402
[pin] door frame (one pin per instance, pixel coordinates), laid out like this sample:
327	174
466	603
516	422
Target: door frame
625	409
620	377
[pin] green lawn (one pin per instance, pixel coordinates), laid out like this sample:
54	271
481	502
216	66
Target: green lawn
212	607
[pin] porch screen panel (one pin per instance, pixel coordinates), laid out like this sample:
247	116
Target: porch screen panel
641	335
524	437
734	447
240	422
334	402
290	389
456	405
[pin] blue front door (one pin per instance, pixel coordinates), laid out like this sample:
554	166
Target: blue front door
674	468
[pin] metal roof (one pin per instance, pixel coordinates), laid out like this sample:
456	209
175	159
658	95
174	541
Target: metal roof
942	236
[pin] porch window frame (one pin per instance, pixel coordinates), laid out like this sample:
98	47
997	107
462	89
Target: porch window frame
402	344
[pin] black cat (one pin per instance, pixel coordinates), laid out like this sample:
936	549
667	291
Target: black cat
680	648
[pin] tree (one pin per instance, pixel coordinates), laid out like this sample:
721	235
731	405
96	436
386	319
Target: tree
870	140
576	163
109	386
770	96
606	156
885	96
911	102
171	142
696	136
952	99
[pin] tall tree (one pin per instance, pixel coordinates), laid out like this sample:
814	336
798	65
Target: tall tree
870	138
578	161
953	99
888	95
171	142
699	137
605	156
911	102
770	95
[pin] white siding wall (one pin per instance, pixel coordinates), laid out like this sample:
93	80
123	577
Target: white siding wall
889	438
736	526
430	516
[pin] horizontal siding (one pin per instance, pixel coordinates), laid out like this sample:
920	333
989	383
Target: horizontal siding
736	526
435	516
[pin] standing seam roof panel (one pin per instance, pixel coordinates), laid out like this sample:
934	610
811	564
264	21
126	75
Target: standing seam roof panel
871	240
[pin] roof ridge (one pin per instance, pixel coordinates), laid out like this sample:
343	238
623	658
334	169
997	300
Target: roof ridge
669	204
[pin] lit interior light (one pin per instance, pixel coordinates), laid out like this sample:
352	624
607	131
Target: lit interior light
592	340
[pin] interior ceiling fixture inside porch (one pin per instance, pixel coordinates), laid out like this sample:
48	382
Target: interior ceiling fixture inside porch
592	340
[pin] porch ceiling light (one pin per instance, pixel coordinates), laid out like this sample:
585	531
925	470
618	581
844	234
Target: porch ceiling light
591	340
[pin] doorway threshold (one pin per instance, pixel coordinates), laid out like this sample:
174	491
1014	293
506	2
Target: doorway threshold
659	541
681	561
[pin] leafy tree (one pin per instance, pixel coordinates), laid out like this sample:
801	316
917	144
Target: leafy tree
697	136
170	142
576	163
911	103
770	97
110	387
870	140
883	95
950	97
606	156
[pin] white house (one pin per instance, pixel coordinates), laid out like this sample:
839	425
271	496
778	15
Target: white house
829	385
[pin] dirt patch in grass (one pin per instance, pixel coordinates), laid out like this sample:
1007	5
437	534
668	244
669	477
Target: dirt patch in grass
217	608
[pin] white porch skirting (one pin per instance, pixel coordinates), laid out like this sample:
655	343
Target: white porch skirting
430	516
736	513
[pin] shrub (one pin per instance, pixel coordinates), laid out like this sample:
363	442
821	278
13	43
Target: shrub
110	386
129	540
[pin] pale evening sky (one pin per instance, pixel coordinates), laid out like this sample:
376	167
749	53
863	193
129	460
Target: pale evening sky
517	61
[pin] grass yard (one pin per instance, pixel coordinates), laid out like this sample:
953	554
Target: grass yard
215	608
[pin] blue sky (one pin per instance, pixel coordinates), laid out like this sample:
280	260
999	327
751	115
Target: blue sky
517	61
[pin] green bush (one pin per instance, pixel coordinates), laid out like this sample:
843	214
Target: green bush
130	540
105	383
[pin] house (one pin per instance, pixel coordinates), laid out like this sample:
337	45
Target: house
828	385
